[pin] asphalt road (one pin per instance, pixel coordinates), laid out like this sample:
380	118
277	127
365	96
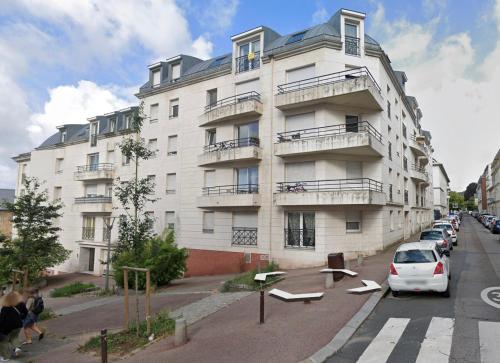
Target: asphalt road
429	328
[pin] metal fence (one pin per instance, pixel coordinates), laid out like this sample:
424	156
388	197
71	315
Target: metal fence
232	144
352	45
247	63
328	185
314	132
300	238
244	236
93	199
94	167
231	189
252	95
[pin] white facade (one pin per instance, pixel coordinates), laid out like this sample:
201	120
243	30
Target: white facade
493	187
254	159
441	187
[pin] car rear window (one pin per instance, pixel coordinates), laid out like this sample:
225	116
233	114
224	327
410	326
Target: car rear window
414	256
431	235
445	226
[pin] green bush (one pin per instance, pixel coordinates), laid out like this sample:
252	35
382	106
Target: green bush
160	254
246	280
46	314
72	289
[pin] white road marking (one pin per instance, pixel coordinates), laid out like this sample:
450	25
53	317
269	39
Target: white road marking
489	341
436	346
382	345
495	298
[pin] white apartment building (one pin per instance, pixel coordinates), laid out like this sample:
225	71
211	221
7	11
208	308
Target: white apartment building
493	187
286	149
440	183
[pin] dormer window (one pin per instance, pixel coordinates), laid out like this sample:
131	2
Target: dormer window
112	124
352	41
128	122
93	134
249	56
176	71
156	77
297	37
63	136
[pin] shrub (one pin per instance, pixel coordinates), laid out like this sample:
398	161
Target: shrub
72	289
246	280
160	254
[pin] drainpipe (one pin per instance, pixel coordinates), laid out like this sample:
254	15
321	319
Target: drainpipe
271	161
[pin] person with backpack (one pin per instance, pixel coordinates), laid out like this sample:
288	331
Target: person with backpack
11	322
35	308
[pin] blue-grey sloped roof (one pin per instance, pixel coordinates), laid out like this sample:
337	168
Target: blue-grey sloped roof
6	195
209	63
312	32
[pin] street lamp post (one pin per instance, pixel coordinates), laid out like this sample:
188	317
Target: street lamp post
109	227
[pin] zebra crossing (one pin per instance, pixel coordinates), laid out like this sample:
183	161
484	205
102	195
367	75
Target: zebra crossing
436	346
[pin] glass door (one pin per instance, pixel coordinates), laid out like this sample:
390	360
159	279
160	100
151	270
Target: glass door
93	161
247	180
247	134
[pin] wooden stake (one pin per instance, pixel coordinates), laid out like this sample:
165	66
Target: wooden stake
148	302
125	288
137	302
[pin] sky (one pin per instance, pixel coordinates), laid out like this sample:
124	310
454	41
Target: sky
62	61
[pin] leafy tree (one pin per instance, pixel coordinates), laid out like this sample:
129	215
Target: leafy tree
456	200
135	226
36	246
470	191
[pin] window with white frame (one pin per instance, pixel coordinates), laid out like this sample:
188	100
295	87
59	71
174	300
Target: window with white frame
153	146
171	183
172	145
91	190
59	165
211	137
176	71
353	221
208	222
109	190
170	220
112	124
209	178
300	229
110	158
156	77
57	193
128	121
174	108
212	97
153	113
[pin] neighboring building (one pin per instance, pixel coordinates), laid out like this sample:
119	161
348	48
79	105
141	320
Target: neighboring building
440	185
288	148
6	195
481	195
494	187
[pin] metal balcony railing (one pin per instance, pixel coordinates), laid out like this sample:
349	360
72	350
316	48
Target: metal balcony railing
352	45
300	238
231	189
247	63
252	95
419	169
244	236
94	167
88	233
232	144
314	132
93	199
330	185
331	78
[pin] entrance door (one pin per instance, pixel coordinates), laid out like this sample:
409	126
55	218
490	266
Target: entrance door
91	259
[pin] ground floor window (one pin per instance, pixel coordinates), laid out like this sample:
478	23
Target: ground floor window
353	221
244	229
300	230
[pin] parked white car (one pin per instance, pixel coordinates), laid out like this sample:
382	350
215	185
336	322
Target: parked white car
449	228
420	266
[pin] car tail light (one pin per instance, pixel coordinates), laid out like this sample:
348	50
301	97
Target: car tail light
439	270
445	243
393	270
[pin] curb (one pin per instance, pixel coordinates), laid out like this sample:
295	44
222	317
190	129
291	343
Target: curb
349	329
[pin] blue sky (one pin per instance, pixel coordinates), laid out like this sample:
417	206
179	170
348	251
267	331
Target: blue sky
66	60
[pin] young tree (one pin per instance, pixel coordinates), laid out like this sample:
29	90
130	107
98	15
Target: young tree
135	226
36	246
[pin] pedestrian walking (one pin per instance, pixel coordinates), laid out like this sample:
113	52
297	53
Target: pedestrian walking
35	308
11	322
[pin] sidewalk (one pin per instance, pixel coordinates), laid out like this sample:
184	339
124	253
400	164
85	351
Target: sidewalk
292	331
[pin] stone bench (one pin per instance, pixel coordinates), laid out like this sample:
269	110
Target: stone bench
289	297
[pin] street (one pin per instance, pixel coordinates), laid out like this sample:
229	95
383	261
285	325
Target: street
430	328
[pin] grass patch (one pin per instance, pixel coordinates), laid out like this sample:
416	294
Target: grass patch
125	341
46	314
246	280
72	289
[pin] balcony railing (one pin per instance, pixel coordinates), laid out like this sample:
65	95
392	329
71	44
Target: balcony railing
327	79
88	233
329	185
93	199
360	126
352	45
231	189
420	169
252	95
300	238
244	236
246	63
232	144
94	167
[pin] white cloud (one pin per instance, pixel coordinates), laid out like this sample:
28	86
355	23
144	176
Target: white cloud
455	89
213	15
320	15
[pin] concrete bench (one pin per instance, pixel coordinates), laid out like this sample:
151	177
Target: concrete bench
263	276
370	286
342	270
288	297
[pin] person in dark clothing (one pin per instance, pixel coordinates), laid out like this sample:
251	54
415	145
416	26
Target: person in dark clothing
11	322
35	308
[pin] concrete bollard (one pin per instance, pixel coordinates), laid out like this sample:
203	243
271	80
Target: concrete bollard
360	260
180	336
329	282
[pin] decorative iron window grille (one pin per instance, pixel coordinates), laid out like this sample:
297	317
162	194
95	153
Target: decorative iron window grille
88	233
352	45
244	236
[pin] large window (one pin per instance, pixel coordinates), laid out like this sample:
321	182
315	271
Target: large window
91	190
156	78
93	161
153	113
174	108
93	133
208	222
171	183
59	165
212	97
176	71
300	231
211	137
153	146
299	122
299	74
247	179
249	56
351	39
88	228
351	123
247	133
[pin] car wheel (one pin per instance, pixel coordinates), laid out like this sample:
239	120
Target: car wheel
446	293
395	293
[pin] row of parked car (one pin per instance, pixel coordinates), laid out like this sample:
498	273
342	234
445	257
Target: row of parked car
425	265
491	222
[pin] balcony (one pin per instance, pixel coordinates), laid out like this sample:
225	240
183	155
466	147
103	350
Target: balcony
247	62
93	204
243	149
351	45
361	191
355	139
300	238
243	105
230	196
94	172
244	236
419	174
351	88
417	144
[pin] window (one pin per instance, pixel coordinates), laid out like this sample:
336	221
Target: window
109	190
351	123
111	157
150	216
300	231
299	74
91	190
153	113
389	110
212	97
299	122
151	179
174	108
391	220
354	170
217	62
404	131
172	145
208	222
296	172
353	221
88	228
249	56
93	161
400	220
247	134
57	193
351	39
125	159
247	179
128	122
112	124
171	183
170	220
93	133
297	37
59	165
244	229
63	136
153	146
390	150
211	137
176	71
156	77
390	193
209	178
